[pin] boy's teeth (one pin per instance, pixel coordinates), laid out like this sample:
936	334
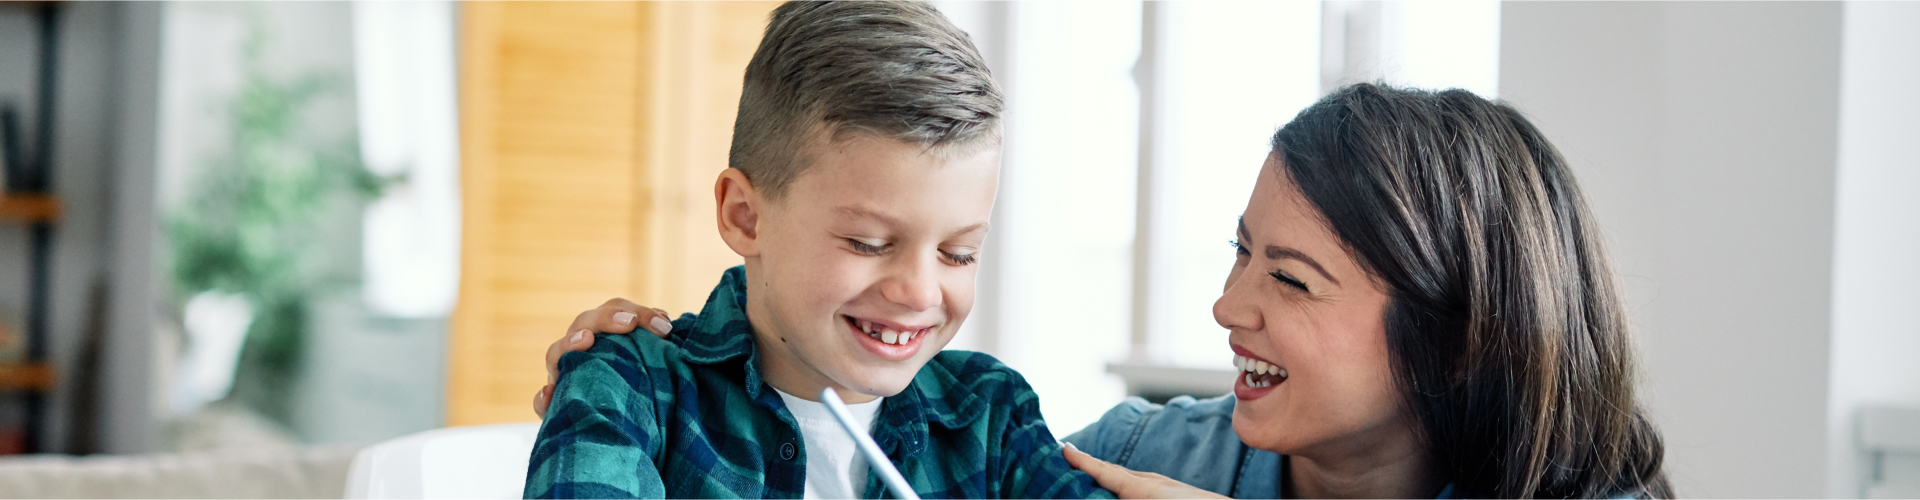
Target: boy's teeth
886	334
1239	362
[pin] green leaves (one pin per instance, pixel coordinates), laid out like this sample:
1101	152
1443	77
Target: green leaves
274	217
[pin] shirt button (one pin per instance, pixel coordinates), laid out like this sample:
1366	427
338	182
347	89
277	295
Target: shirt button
786	451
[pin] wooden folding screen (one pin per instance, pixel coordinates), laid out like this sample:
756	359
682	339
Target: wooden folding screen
590	135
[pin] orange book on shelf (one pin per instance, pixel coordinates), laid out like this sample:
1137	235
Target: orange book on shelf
22	207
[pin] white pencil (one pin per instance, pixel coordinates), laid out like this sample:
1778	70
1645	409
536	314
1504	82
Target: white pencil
876	460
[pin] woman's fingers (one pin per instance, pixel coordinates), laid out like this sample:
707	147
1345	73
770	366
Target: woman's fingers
616	316
623	316
1112	477
1126	483
541	399
579	337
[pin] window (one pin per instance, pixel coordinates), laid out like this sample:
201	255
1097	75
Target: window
1134	131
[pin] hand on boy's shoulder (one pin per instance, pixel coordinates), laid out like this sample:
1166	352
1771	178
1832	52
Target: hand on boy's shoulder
616	316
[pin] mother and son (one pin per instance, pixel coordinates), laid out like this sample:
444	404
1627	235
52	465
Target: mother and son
1420	307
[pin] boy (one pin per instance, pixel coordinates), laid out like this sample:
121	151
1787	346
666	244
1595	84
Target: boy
864	164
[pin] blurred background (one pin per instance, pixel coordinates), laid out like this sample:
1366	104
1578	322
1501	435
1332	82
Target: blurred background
272	233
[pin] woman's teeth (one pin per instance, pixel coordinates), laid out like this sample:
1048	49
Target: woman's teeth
885	335
1259	373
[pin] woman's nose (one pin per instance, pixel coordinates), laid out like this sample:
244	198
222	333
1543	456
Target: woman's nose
1238	308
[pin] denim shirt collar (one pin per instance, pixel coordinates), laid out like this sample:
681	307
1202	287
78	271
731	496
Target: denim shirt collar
722	334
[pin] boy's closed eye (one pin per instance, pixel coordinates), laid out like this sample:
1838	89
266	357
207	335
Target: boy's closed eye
964	258
869	246
958	256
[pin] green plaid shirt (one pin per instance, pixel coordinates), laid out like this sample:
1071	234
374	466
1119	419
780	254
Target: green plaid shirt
689	417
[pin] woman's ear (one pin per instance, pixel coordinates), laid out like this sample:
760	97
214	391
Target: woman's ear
737	207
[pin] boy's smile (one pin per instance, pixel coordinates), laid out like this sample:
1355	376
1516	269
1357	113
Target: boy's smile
863	268
890	341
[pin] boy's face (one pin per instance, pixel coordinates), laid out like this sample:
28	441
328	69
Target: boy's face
865	269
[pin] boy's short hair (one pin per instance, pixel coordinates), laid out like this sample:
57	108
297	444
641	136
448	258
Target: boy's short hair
894	69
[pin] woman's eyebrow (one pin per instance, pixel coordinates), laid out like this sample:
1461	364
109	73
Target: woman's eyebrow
1276	252
1279	252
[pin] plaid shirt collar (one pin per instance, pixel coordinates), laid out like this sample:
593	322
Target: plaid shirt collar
720	337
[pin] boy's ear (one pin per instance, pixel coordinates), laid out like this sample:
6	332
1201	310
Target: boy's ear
737	207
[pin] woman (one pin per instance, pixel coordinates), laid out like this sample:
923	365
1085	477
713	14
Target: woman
1421	307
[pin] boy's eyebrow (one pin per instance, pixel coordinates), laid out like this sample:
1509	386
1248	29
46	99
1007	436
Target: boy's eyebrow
855	211
1276	252
862	212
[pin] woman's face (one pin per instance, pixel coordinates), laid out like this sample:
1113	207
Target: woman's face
1298	303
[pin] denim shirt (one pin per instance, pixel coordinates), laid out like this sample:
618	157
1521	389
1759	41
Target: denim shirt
1188	440
1191	441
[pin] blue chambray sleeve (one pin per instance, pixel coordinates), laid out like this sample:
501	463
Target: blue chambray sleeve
601	434
1109	438
1036	468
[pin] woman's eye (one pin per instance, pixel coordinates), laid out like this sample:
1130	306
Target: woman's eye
1238	249
1288	280
867	248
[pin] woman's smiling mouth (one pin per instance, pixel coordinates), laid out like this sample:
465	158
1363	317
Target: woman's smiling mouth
1257	376
1259	373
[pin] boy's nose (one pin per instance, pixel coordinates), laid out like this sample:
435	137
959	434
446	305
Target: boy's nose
914	288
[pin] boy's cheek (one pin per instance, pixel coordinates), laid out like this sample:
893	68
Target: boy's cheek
820	271
960	291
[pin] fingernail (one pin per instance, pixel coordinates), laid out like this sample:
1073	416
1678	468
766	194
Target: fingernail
1069	446
578	336
537	393
623	318
662	326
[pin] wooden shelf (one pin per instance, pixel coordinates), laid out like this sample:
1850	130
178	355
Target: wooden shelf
29	208
26	377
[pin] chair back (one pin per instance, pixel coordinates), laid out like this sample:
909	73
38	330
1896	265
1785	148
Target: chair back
483	461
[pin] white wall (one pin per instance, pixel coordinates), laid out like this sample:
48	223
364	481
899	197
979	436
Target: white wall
1067	188
1876	341
127	410
1704	135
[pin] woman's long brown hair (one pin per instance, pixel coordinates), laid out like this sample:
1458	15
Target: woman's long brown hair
1506	329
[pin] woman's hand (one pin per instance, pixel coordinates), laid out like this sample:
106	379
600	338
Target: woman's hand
617	316
1129	484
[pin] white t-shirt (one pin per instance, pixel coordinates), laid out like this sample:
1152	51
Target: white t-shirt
835	468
